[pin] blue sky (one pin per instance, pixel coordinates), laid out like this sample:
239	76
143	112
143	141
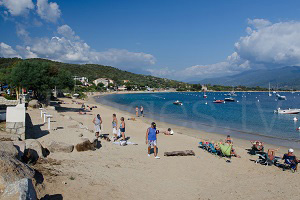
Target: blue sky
180	39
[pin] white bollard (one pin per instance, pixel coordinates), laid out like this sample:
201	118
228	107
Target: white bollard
44	116
49	120
41	109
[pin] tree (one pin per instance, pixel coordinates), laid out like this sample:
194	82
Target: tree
39	77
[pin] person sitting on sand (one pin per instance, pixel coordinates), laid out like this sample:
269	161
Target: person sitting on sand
229	140
168	132
114	127
97	121
291	159
256	147
137	111
122	128
151	139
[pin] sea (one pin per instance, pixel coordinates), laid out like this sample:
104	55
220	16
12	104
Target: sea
250	117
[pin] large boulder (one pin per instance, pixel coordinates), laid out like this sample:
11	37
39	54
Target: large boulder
20	146
34	103
54	146
22	189
86	145
11	169
36	147
9	148
14	178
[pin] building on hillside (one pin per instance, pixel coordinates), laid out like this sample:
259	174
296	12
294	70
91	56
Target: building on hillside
104	81
83	80
122	88
125	81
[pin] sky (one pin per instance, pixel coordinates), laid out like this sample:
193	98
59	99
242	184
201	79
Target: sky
186	40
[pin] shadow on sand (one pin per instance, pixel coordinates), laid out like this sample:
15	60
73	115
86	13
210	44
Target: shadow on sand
34	131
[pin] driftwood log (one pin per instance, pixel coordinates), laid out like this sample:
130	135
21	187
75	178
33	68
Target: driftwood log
180	153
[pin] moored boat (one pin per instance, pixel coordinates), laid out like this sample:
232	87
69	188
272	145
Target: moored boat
218	101
177	103
281	97
287	111
230	99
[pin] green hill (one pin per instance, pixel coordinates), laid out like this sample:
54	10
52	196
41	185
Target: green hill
94	71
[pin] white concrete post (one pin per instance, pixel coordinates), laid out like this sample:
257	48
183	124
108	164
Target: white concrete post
44	116
49	120
41	109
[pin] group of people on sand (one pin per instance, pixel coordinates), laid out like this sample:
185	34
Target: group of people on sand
137	111
97	121
216	145
289	158
269	158
151	133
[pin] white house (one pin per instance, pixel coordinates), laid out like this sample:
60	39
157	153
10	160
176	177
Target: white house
83	80
105	81
122	88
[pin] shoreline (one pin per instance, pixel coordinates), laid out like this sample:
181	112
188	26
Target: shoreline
126	172
201	134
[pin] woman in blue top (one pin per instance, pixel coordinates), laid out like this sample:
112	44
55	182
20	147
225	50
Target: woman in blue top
122	128
151	139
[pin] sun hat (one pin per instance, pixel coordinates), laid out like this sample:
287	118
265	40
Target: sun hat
291	150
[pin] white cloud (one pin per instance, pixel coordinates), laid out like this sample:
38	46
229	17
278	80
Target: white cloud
17	7
273	44
70	48
67	32
259	23
266	45
7	51
48	11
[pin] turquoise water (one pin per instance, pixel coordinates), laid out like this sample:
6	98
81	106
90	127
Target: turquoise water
252	114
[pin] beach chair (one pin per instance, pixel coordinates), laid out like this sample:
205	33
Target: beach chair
212	149
264	159
225	150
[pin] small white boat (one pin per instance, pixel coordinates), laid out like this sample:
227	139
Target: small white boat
287	111
281	97
230	99
178	103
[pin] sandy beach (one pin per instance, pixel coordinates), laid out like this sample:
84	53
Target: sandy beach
126	172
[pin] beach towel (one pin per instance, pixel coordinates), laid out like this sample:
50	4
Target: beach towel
127	142
226	149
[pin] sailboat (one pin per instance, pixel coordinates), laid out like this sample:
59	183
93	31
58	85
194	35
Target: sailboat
269	91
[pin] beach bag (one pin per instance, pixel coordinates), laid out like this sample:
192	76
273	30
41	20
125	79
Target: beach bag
119	133
123	142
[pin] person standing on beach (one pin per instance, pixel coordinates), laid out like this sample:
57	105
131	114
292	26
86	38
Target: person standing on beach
137	111
114	126
151	139
142	111
122	128
97	121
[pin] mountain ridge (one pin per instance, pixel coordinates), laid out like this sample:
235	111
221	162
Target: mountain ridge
284	77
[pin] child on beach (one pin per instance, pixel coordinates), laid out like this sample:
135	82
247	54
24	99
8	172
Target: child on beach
137	111
122	128
114	127
151	139
169	132
97	121
142	111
